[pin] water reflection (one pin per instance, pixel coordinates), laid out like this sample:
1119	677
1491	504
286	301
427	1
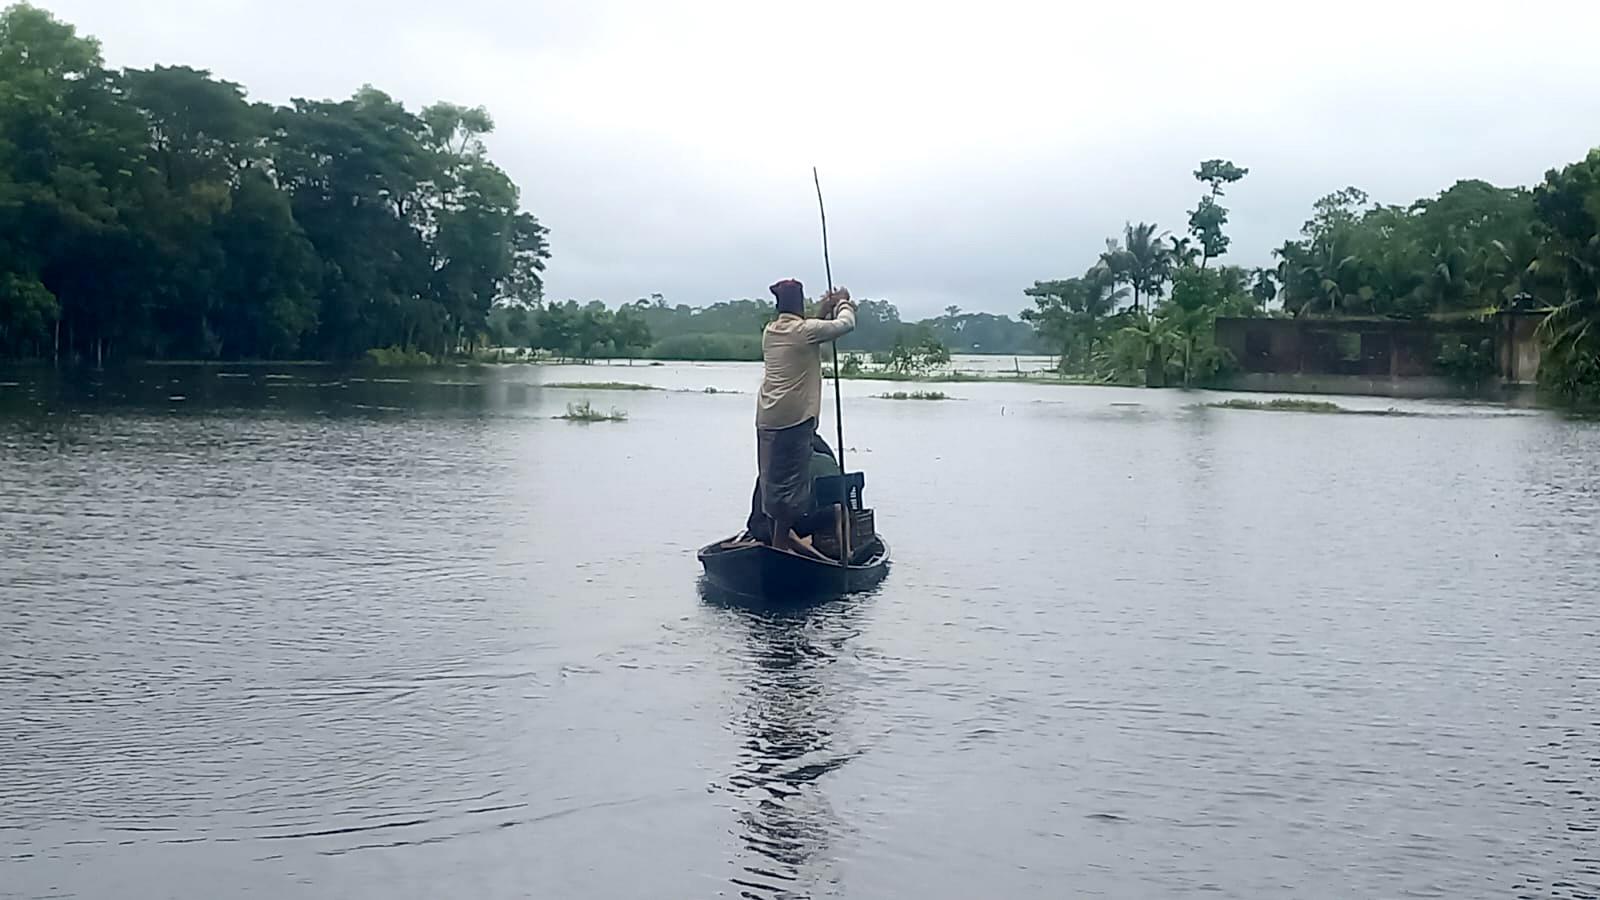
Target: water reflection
793	708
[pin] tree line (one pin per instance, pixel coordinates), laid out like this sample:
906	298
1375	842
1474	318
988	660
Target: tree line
731	330
1146	309
158	213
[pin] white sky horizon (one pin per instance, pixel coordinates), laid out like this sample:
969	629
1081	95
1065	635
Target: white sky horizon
966	150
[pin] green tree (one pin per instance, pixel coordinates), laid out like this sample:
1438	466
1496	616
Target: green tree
201	130
981	332
877	326
267	294
1207	219
1471	248
1320	270
1567	206
355	172
200	137
68	147
510	326
1072	316
1199	296
27	313
918	353
164	214
632	336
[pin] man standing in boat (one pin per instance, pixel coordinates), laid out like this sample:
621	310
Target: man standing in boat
790	403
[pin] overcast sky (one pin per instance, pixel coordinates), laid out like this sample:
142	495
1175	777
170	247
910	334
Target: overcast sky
966	150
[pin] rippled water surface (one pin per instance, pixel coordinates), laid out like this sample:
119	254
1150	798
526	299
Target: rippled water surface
296	633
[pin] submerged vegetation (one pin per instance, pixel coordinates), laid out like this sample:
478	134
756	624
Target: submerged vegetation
584	412
954	376
1281	404
1295	404
602	386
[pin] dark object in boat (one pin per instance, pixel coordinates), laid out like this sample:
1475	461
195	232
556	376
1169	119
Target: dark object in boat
743	565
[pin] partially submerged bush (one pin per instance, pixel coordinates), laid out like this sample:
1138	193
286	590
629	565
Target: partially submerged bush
585	412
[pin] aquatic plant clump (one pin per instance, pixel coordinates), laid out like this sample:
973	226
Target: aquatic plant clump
586	412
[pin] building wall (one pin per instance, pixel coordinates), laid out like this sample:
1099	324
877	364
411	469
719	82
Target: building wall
1519	347
1385	357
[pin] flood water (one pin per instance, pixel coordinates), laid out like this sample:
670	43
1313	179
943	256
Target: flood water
293	633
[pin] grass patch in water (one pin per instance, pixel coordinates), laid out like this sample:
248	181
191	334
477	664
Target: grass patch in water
1282	404
1295	404
602	386
584	412
967	377
914	395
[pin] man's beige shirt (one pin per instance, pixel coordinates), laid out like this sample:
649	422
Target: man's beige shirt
791	347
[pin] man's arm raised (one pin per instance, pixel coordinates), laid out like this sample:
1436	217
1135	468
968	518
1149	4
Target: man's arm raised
821	331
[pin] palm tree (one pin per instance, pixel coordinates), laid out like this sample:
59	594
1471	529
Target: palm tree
1117	262
1448	282
1572	342
1265	287
1571	332
1184	252
1103	291
1158	338
1102	294
1149	259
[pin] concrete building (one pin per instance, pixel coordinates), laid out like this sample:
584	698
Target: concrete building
1494	356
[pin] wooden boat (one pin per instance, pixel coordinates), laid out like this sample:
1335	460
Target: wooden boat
750	568
745	566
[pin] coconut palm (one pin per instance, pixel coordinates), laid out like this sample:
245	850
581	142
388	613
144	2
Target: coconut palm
1184	252
1142	260
1265	286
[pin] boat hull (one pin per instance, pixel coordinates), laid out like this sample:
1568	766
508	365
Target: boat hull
756	570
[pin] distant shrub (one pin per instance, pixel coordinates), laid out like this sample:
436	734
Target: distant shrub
709	348
398	356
